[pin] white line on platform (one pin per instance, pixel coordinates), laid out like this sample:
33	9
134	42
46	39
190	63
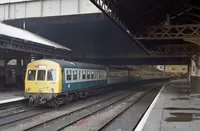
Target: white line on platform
141	124
11	100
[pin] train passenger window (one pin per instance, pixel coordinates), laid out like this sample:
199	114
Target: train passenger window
95	74
98	75
31	75
75	75
92	74
41	75
79	74
51	75
69	75
88	74
83	75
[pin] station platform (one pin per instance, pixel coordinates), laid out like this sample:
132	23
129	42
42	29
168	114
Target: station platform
175	108
11	96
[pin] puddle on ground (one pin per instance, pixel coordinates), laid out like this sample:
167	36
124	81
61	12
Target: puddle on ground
183	117
180	98
178	108
185	91
195	96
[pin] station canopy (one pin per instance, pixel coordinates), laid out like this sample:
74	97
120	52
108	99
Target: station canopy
10	31
26	44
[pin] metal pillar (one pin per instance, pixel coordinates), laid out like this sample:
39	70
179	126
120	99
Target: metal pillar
193	74
195	80
19	73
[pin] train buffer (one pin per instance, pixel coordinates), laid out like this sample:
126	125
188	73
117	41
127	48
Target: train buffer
175	108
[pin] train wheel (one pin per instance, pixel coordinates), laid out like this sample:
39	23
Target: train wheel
54	104
69	98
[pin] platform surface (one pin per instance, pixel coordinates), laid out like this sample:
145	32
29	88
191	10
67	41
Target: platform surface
11	95
176	108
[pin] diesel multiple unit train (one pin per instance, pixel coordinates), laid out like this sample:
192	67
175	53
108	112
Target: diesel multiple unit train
53	82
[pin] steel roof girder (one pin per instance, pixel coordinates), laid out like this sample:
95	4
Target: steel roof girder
170	32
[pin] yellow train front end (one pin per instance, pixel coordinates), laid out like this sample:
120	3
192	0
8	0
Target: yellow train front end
43	81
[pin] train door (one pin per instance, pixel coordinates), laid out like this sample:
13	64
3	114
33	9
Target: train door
41	83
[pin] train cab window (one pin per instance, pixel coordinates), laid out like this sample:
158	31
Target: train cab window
41	75
51	75
88	74
75	75
69	75
83	75
31	75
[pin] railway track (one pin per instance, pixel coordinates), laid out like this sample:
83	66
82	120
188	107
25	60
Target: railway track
69	119
98	121
15	118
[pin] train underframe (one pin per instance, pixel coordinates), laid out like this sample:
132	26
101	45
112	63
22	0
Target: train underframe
54	100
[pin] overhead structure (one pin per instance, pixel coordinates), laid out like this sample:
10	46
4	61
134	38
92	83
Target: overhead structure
13	38
176	23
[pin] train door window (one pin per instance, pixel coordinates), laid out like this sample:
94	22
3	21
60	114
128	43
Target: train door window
69	75
83	75
74	74
51	75
88	74
41	75
31	75
92	74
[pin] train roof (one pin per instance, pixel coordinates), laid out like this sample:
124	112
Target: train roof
73	64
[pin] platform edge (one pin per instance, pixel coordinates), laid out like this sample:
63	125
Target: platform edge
142	122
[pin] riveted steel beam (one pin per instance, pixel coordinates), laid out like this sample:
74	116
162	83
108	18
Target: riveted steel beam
29	47
170	32
174	49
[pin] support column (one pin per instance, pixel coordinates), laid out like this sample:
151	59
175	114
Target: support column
19	73
198	73
2	75
192	72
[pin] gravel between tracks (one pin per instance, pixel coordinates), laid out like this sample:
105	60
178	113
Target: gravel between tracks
95	122
55	113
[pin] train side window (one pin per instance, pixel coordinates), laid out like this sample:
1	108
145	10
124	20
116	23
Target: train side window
83	75
97	74
100	76
92	74
88	74
79	75
69	75
74	74
31	75
41	75
51	75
